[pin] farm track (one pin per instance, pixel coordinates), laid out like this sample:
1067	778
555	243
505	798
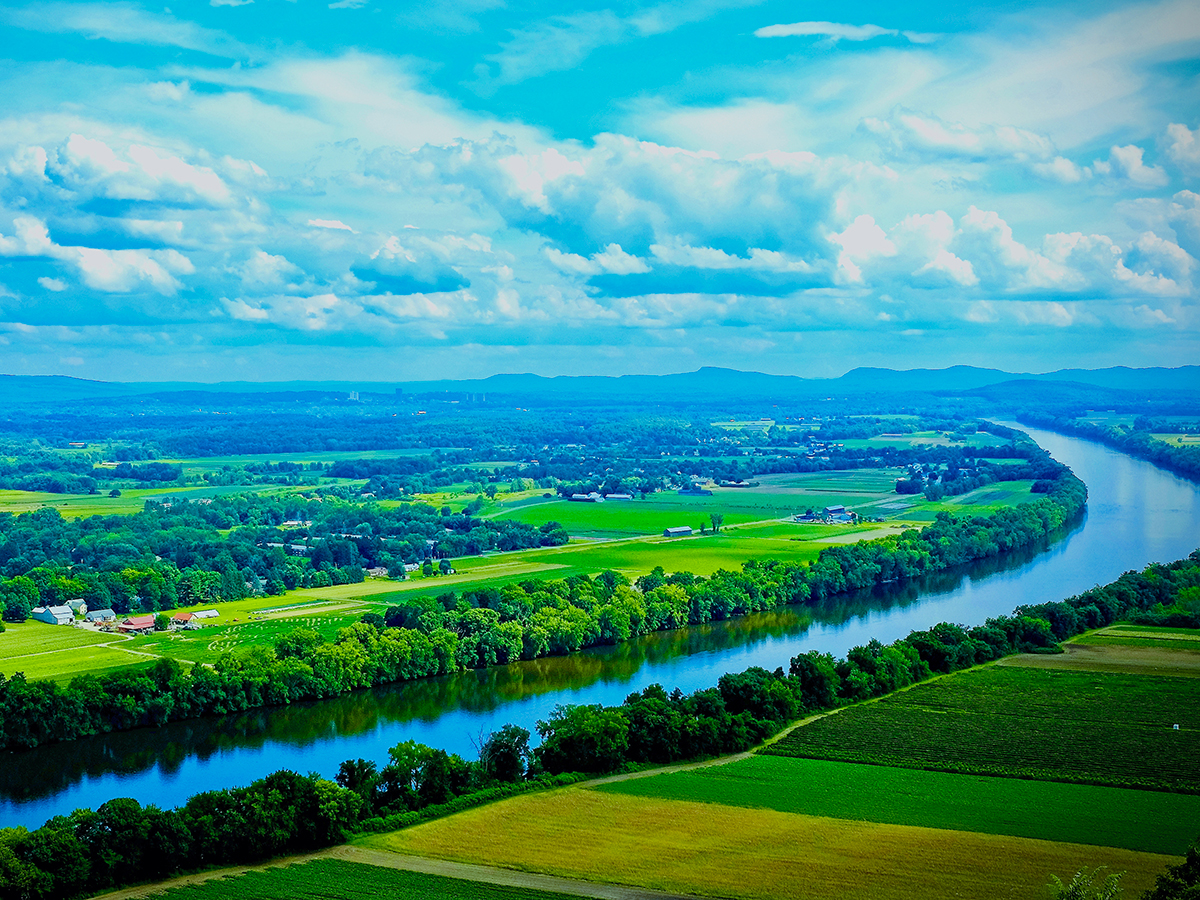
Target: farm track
424	865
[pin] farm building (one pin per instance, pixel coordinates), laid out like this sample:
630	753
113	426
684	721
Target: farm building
137	624
679	531
593	497
831	511
695	490
78	606
618	496
377	572
101	615
53	615
181	619
206	614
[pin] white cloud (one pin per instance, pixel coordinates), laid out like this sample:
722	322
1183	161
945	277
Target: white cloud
860	241
612	260
1184	147
836	31
907	132
1126	163
123	23
564	41
267	269
56	285
110	271
335	224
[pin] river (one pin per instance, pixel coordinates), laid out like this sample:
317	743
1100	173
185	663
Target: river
1137	514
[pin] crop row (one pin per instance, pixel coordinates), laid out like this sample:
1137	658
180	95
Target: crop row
1054	734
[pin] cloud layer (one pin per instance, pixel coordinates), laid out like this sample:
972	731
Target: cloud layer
178	192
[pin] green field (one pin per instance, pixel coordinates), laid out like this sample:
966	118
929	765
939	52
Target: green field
1091	727
927	438
335	879
723	850
1144	636
1151	821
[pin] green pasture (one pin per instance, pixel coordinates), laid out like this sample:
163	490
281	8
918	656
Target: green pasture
1151	821
38	637
1045	724
132	500
335	879
63	665
775	497
1179	440
1144	636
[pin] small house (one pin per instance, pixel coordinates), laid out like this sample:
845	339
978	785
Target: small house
78	606
377	572
100	616
679	531
53	615
181	619
137	624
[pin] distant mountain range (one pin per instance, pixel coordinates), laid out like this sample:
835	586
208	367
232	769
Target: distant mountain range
708	381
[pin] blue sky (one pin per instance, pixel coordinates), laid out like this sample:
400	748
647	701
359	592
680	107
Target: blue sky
269	190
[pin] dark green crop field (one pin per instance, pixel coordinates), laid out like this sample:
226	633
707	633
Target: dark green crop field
1152	821
1088	727
334	879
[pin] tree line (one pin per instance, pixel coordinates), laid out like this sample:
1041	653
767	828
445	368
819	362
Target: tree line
285	812
1138	442
494	626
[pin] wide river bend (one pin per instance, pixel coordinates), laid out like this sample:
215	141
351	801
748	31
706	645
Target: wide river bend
1137	514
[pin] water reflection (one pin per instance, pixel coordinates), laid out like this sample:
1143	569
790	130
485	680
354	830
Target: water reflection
50	770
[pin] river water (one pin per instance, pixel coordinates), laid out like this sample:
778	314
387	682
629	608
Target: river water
1137	514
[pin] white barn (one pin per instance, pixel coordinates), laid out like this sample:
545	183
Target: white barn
53	615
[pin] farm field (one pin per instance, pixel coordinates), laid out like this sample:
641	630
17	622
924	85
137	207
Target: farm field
1056	725
871	492
132	500
718	850
1179	440
928	438
335	879
1151	821
1143	636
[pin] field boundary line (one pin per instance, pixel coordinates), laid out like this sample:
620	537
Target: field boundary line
517	878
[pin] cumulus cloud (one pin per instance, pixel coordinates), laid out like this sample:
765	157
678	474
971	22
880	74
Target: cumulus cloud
109	271
1125	163
1183	147
612	260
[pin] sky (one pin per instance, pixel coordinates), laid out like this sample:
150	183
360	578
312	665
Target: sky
267	190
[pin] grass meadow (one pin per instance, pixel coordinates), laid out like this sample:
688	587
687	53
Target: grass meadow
719	850
1143	636
335	879
1150	821
1055	725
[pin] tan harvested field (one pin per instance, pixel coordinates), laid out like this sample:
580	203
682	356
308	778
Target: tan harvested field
1114	658
751	854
